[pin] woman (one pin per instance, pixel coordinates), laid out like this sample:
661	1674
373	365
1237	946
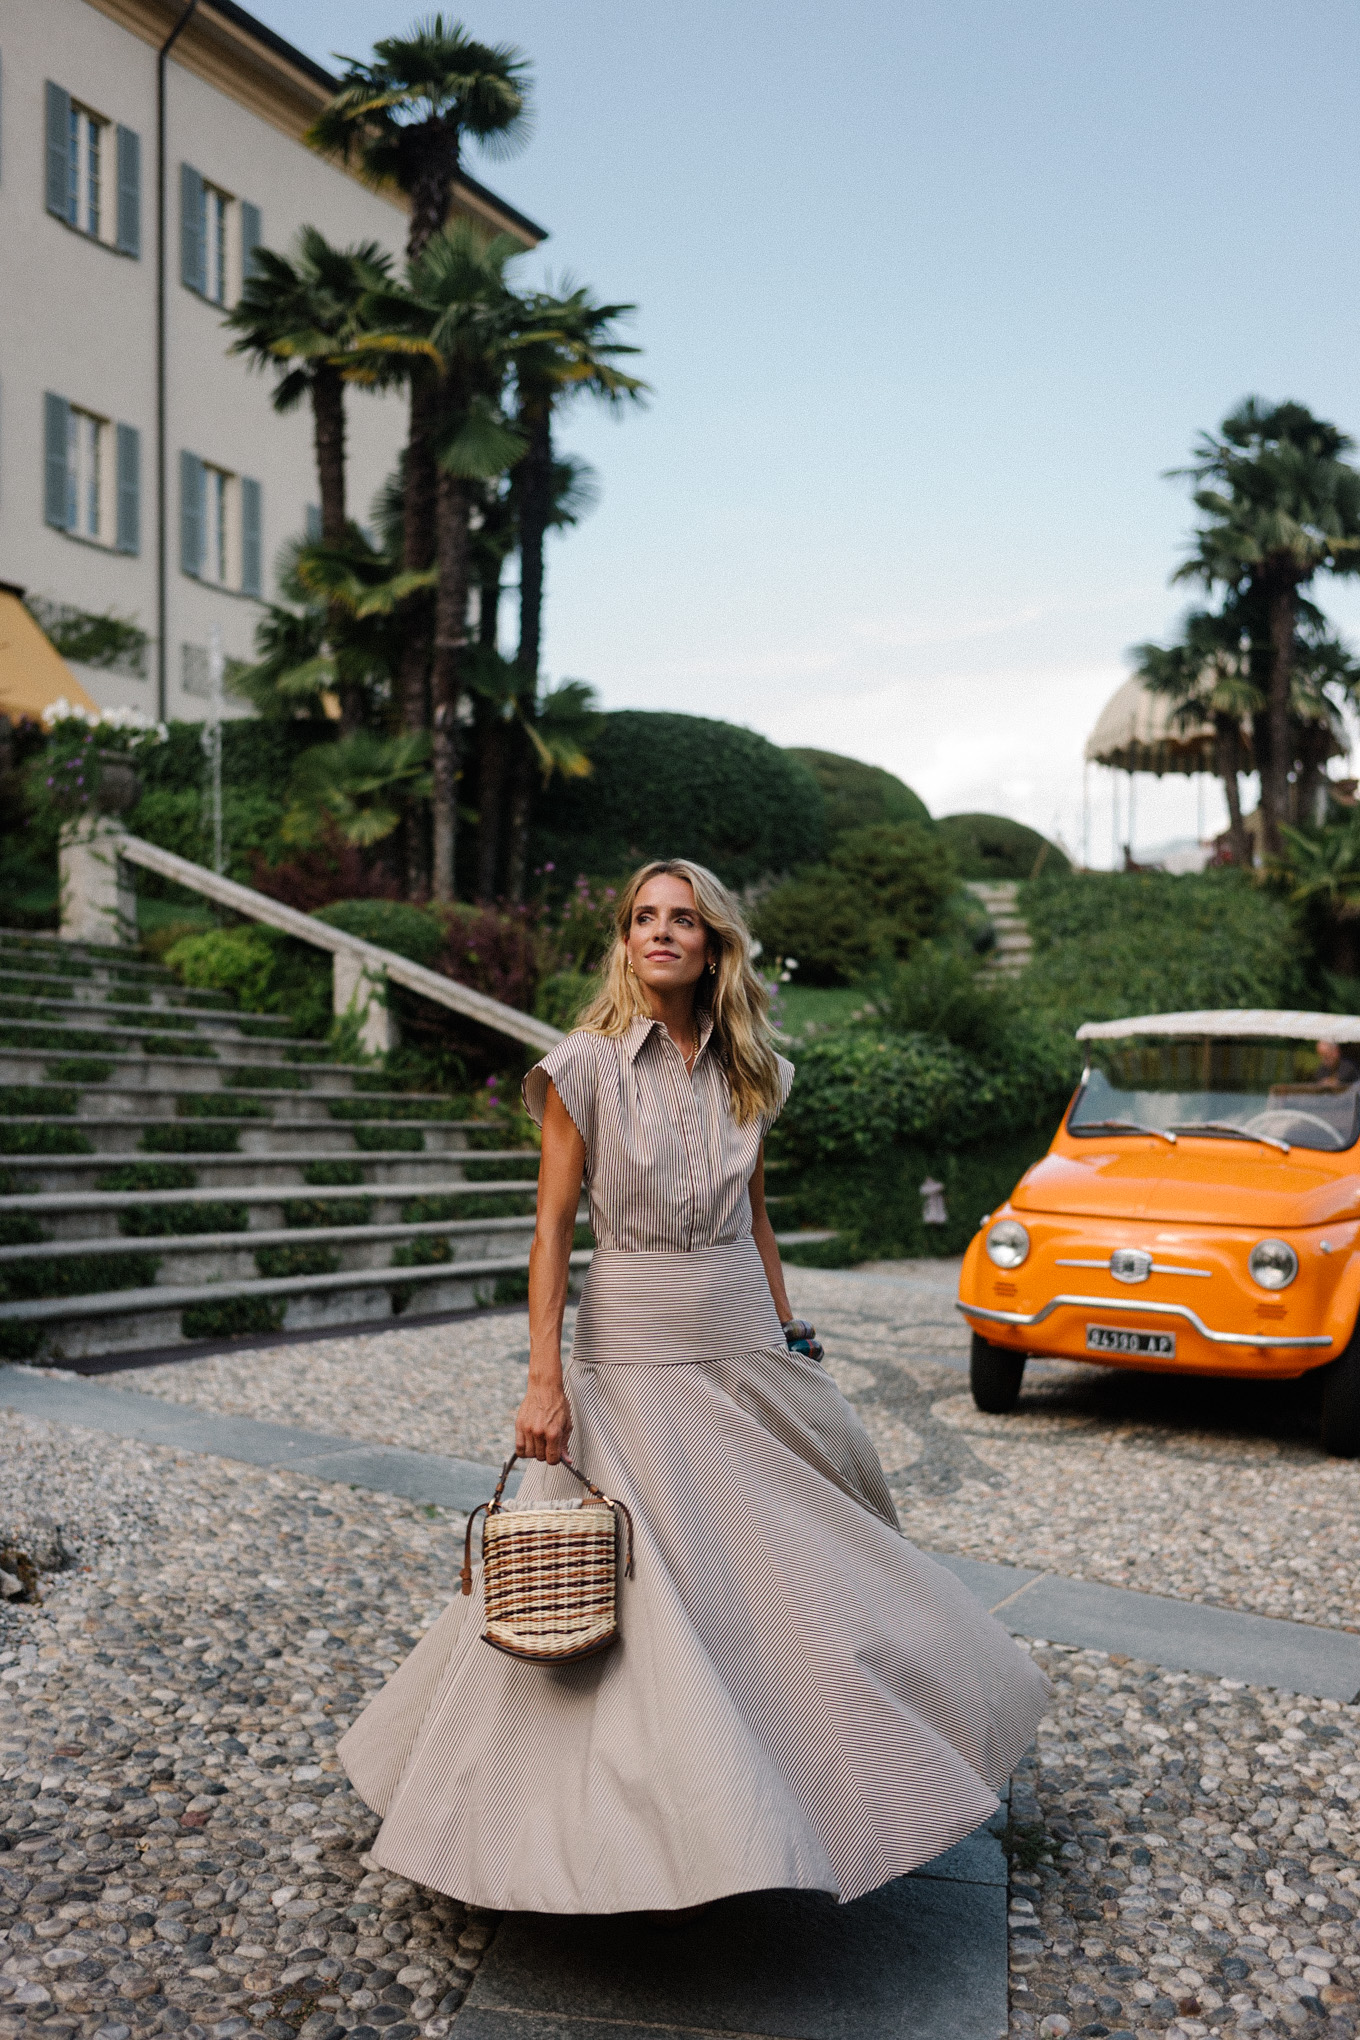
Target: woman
799	1698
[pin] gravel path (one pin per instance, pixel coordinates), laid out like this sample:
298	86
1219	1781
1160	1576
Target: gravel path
1186	1852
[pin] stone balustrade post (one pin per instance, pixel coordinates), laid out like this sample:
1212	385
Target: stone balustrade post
98	896
357	988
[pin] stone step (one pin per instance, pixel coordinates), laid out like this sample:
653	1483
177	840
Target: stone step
18	983
284	1108
124	1024
17	942
327	1137
129	1320
159	1071
222	1171
98	1215
201	1258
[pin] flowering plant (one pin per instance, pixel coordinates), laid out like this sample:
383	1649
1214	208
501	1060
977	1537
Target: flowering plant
83	746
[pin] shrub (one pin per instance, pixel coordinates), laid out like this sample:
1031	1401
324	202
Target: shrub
407	1140
413	932
78	1069
174	1139
324	1211
333	1175
855	794
819	920
219	1105
148	1176
885	888
153	1221
76	1275
18	1100
939	992
1113	943
231	1317
682	786
561	997
261	969
492	952
995	847
20	1229
273	1262
44	1140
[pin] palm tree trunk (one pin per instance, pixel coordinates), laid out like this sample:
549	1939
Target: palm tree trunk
328	418
1281	612
490	750
418	526
1228	747
535	511
450	636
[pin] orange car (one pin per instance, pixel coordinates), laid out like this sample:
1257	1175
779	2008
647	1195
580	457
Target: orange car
1198	1212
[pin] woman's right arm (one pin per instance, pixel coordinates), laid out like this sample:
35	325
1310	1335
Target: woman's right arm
543	1422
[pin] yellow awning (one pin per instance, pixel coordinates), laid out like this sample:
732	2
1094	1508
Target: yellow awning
33	673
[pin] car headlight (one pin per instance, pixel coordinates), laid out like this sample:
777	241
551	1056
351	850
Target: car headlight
1273	1264
1007	1243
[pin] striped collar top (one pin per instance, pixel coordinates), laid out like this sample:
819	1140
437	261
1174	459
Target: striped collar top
667	1167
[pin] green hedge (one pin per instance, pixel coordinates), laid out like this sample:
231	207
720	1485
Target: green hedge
681	786
995	847
1109	944
855	794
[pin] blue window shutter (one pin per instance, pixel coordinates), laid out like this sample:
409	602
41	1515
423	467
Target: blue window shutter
252	577
193	230
129	191
56	436
252	233
313	524
192	513
129	489
58	151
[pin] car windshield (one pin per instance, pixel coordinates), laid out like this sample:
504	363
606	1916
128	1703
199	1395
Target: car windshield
1277	1094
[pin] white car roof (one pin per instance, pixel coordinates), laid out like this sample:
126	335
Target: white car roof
1243	1023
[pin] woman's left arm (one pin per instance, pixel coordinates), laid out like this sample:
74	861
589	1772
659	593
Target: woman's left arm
762	1232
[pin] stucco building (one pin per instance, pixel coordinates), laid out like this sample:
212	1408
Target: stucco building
142	467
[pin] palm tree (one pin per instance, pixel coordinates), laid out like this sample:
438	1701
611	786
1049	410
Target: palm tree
1208	675
459	314
569	346
402	116
1281	504
301	318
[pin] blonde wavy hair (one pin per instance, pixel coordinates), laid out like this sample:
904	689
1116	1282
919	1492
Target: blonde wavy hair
733	994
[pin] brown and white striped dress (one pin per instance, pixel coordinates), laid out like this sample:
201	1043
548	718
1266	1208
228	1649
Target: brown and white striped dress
800	1698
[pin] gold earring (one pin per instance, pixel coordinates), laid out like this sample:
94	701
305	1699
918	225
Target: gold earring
712	968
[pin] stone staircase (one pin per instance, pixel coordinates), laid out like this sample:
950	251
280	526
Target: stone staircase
1014	943
172	1171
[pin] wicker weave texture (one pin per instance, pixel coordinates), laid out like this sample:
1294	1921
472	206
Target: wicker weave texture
550	1581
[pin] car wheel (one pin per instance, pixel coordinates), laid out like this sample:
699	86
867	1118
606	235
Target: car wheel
994	1375
1341	1403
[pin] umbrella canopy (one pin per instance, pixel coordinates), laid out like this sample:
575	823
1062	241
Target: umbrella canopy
33	673
1138	731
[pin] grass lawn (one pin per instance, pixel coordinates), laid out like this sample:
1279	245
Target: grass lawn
807	1006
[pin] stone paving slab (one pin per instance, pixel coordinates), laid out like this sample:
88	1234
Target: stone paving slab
1184	1636
924	1958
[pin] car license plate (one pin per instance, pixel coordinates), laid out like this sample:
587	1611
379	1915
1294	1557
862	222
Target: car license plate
1117	1339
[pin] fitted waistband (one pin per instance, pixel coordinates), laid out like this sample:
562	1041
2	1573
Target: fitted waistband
668	1310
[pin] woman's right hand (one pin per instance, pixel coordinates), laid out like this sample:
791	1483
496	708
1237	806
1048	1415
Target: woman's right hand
543	1423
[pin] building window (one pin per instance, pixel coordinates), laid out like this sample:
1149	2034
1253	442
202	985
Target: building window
94	173
217	204
92	485
195	673
221	526
217	486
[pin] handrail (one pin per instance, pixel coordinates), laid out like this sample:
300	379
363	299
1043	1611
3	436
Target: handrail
376	961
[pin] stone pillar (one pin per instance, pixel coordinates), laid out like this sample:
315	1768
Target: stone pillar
98	899
357	989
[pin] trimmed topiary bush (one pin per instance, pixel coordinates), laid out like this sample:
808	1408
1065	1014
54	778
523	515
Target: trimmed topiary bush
995	847
668	785
855	795
412	932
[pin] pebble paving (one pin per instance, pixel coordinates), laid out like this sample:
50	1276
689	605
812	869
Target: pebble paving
180	1853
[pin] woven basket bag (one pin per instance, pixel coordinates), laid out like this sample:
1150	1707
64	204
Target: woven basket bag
550	1574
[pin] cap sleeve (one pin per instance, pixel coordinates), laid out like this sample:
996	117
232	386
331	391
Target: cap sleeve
786	1074
570	1068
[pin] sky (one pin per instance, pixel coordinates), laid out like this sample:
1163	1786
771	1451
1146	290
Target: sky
931	293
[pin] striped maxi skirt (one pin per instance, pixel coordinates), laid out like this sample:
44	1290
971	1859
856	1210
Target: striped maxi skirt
799	1699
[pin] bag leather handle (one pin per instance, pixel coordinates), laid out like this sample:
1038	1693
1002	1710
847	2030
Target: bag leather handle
493	1506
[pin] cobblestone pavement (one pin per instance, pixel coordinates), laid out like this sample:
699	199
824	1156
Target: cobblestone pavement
183	1854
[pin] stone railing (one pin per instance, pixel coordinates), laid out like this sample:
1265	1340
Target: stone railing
98	904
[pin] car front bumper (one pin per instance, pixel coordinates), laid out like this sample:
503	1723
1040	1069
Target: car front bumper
1137	1307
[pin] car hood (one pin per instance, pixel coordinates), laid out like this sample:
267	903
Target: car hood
1225	1183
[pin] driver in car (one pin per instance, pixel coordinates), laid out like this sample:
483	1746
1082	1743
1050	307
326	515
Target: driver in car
1335	1070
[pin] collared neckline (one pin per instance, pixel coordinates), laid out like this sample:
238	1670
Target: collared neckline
640	1030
